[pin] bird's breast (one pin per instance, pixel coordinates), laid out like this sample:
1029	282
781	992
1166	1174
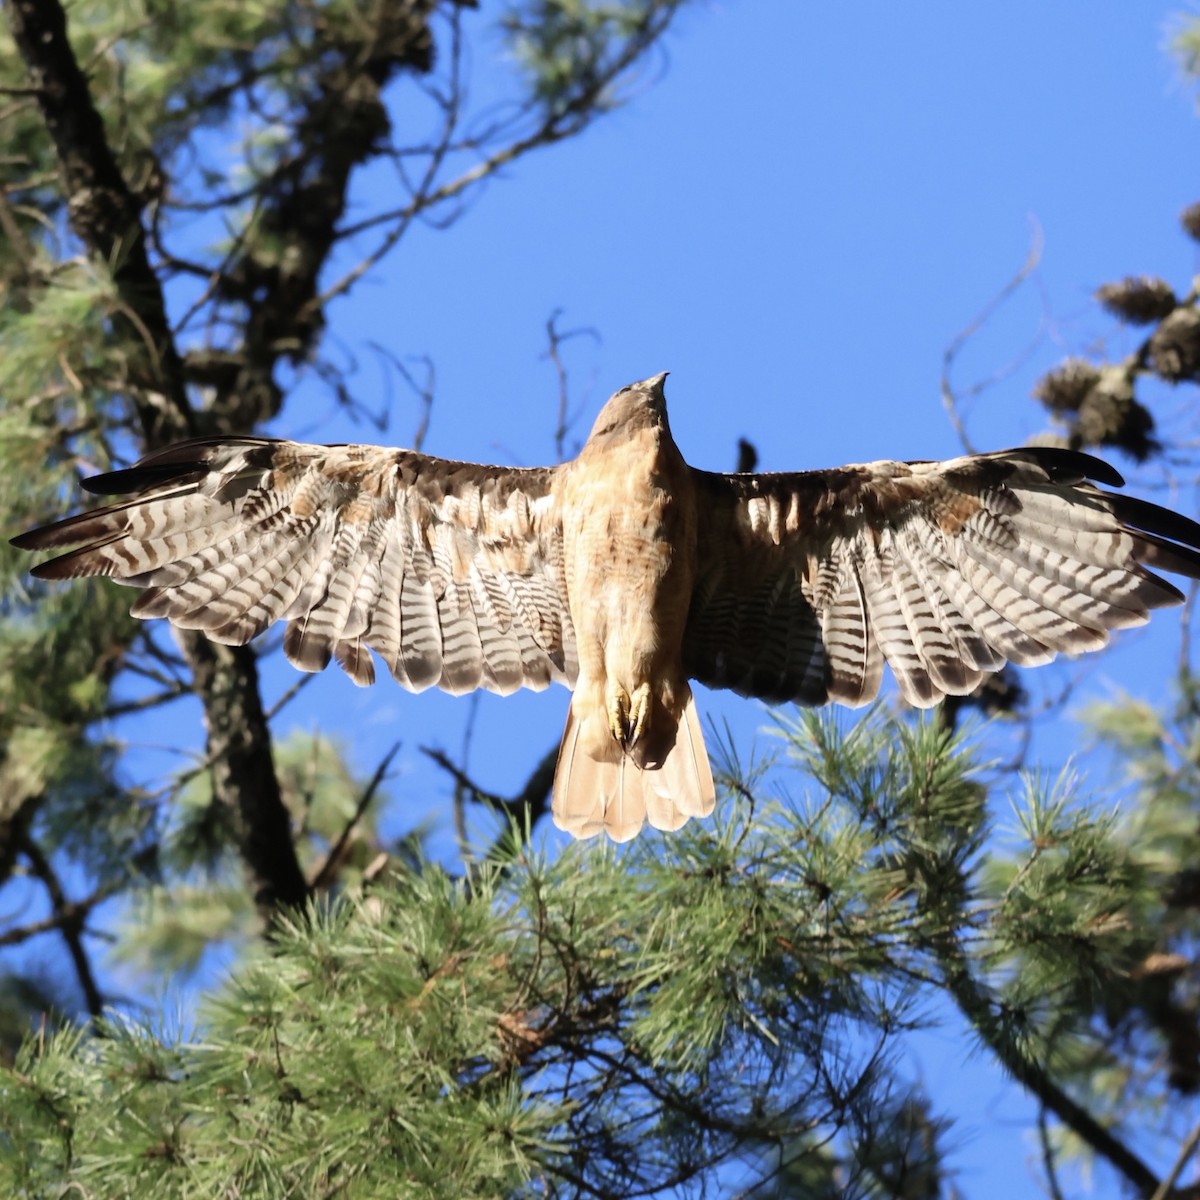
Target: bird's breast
629	541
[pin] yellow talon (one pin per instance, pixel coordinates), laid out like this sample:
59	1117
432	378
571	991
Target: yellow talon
628	717
639	714
616	703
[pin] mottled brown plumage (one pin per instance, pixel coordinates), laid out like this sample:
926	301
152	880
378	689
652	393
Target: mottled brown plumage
626	573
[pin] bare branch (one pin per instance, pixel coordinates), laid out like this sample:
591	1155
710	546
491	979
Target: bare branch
977	1006
69	921
1167	1187
1048	1155
424	392
145	703
71	911
551	126
527	807
326	873
950	400
556	337
462	779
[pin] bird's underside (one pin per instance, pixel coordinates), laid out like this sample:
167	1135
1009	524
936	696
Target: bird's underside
626	573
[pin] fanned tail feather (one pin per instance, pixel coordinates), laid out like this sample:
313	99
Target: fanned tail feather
612	794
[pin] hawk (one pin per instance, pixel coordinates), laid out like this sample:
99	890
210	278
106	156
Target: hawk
626	573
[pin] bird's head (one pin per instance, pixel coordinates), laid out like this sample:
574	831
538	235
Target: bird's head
634	407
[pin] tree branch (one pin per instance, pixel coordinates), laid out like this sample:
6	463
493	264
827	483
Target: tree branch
950	400
243	769
1166	1188
555	338
107	218
328	869
527	807
977	1007
69	919
71	911
103	211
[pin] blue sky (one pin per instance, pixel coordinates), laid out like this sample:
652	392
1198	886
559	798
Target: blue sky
795	219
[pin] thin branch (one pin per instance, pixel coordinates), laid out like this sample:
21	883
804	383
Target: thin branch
960	339
459	807
69	921
562	123
977	1006
530	799
527	807
556	337
144	703
1186	678
324	876
1048	1155
462	779
1186	1151
425	392
215	275
20	245
289	695
71	911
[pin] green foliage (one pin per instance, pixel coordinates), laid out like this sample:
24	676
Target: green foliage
418	1037
571	49
618	1019
364	1057
1185	44
166	931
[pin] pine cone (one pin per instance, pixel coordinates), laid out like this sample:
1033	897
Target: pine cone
1138	301
1066	387
1175	347
1190	220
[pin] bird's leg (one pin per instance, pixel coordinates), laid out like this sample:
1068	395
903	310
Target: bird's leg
628	716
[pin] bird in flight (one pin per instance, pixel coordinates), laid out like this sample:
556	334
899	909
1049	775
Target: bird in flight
626	573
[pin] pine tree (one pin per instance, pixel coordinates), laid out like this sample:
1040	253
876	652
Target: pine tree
726	1009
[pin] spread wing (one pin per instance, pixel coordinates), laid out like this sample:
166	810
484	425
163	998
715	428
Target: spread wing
451	572
808	583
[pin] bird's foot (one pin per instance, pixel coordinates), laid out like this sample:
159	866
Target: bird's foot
639	714
628	716
616	705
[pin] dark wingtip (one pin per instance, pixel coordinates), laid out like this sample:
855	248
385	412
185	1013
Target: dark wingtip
27	541
1154	519
45	570
140	477
181	462
1063	465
